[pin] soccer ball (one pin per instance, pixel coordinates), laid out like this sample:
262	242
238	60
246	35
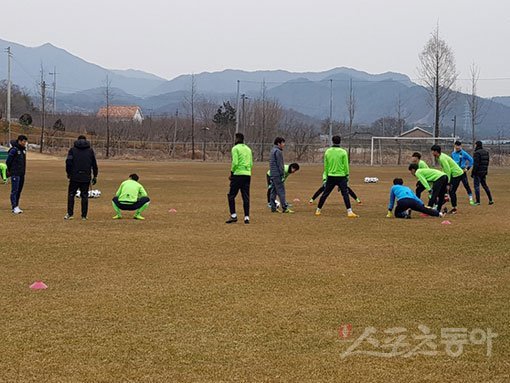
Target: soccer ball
371	180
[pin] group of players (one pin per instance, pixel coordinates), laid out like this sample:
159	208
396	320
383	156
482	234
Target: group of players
82	170
441	185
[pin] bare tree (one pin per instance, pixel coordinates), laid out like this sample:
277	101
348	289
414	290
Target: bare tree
475	103
439	75
351	110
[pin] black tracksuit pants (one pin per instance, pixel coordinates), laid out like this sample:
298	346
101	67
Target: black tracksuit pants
241	183
438	192
84	196
410	203
321	190
331	183
454	185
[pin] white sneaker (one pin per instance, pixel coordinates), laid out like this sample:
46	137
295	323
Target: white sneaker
17	210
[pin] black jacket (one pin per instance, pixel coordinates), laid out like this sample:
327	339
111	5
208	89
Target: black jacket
480	162
16	159
80	162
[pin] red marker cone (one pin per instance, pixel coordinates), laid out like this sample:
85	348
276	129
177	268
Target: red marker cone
446	223
38	285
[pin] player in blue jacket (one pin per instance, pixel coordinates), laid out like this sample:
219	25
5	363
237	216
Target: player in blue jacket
407	201
465	161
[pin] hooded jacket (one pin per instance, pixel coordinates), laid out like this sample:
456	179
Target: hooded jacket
80	162
16	159
480	162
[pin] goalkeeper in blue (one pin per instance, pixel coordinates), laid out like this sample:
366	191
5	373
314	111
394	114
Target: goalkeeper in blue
406	202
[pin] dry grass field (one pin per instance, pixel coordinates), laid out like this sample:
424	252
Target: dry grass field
182	297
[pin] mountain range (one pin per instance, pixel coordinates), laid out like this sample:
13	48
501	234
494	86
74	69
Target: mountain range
80	88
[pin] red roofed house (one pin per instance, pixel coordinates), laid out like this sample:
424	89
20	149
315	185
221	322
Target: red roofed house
122	113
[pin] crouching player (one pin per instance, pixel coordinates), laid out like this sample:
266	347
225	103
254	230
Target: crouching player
439	182
287	171
407	201
3	172
131	196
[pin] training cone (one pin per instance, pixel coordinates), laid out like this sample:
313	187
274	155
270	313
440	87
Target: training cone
296	200
172	211
38	285
446	223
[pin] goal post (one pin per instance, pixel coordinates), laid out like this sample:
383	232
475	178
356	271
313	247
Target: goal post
409	140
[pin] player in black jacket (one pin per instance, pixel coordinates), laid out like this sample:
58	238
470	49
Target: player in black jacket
480	170
16	165
80	163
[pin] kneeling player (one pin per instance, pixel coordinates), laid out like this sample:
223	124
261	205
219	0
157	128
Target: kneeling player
407	201
131	196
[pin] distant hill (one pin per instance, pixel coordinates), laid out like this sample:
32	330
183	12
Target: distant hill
74	73
226	81
505	100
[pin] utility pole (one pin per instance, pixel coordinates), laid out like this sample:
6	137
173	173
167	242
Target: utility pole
330	109
54	74
454	119
175	131
43	110
237	108
244	98
263	130
9	56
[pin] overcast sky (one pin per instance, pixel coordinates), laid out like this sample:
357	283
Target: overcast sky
169	38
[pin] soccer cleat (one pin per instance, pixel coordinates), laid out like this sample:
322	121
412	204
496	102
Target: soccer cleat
139	217
476	204
453	211
68	217
288	211
491	202
318	212
246	221
17	210
117	216
472	203
311	201
441	215
84	218
445	210
269	205
351	214
232	220
359	201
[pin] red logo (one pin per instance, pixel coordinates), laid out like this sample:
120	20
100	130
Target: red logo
345	330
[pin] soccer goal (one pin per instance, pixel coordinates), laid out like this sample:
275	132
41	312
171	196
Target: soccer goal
398	150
